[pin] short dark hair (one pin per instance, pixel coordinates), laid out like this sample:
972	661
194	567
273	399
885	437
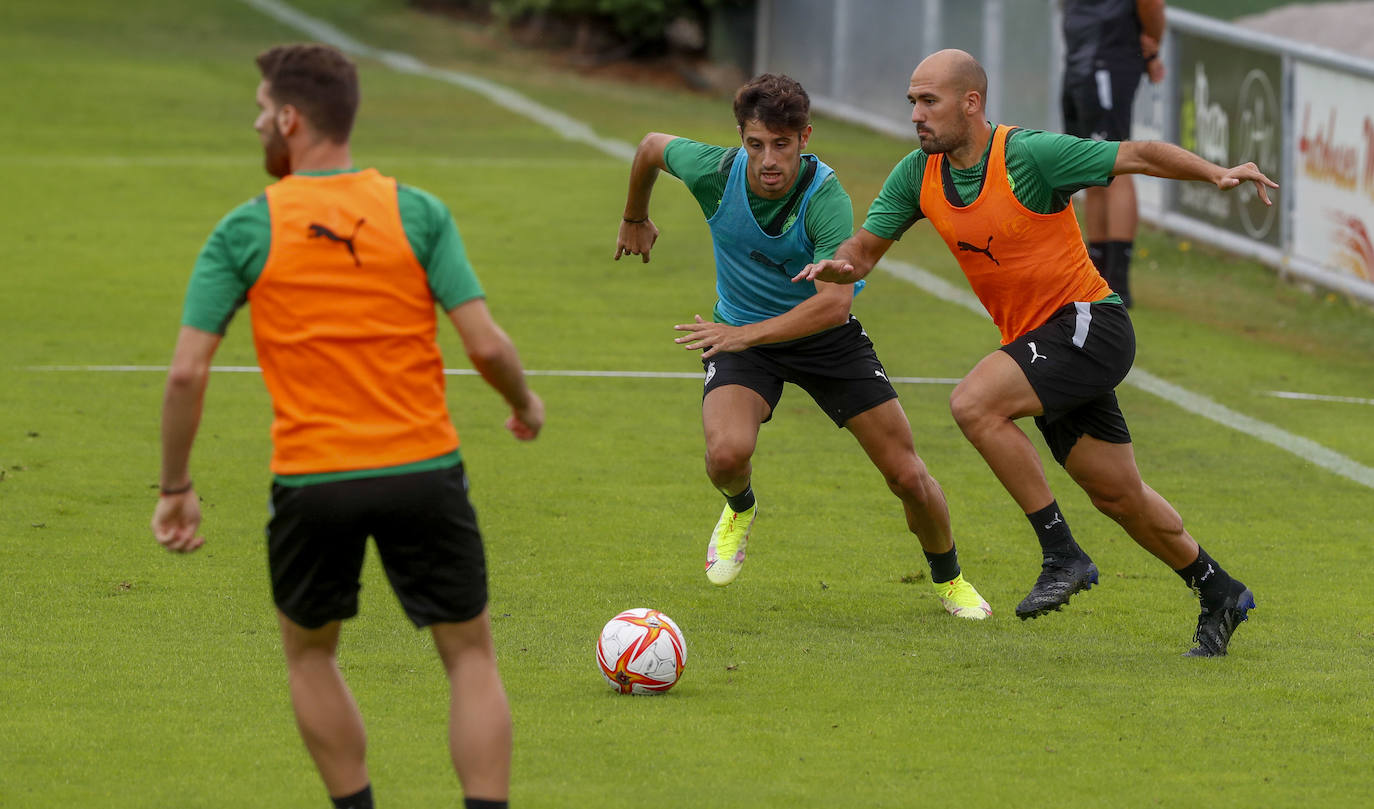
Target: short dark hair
776	101
316	79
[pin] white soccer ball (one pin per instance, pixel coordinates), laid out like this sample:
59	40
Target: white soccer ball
641	651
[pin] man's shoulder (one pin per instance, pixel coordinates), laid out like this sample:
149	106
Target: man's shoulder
1039	142
1026	134
703	158
830	185
418	196
811	159
1042	144
256	206
251	214
911	167
820	163
680	143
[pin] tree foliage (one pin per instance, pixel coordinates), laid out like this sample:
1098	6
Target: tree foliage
636	22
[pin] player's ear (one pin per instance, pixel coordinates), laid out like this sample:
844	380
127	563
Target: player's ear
288	119
804	137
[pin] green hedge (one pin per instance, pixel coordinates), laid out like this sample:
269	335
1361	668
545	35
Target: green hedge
636	21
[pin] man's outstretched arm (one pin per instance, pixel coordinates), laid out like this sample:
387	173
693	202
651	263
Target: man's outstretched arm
1159	159
828	308
853	260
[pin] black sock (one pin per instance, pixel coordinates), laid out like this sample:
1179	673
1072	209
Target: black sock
361	799
1206	577
1097	251
742	501
1118	269
478	803
1053	532
943	566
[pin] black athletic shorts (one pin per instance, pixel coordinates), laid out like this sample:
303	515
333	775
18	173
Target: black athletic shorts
1074	363
838	367
426	533
1099	106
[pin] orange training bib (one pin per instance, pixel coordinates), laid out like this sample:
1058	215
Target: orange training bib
1022	265
344	324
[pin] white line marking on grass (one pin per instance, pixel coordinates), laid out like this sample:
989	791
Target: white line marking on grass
1319	397
1302	447
573	129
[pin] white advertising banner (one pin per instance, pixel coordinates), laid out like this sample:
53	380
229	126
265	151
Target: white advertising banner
1333	207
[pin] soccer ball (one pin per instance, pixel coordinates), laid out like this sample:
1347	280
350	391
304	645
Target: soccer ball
641	651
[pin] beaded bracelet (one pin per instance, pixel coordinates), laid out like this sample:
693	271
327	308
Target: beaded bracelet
178	490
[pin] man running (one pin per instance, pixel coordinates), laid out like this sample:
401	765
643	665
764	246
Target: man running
772	209
999	197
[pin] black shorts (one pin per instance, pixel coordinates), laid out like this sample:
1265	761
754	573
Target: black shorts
1099	106
1074	363
426	533
838	367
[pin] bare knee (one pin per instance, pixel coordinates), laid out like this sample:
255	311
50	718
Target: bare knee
464	640
726	464
308	646
913	483
1118	508
1121	503
970	413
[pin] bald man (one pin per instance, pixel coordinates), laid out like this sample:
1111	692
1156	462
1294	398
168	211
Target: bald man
999	197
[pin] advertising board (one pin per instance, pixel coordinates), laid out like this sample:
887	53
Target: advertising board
1333	207
1230	111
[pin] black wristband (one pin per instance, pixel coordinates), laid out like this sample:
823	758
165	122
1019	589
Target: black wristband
179	490
1150	57
634	221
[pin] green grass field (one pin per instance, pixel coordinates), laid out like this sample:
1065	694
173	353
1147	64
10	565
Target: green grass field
827	675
